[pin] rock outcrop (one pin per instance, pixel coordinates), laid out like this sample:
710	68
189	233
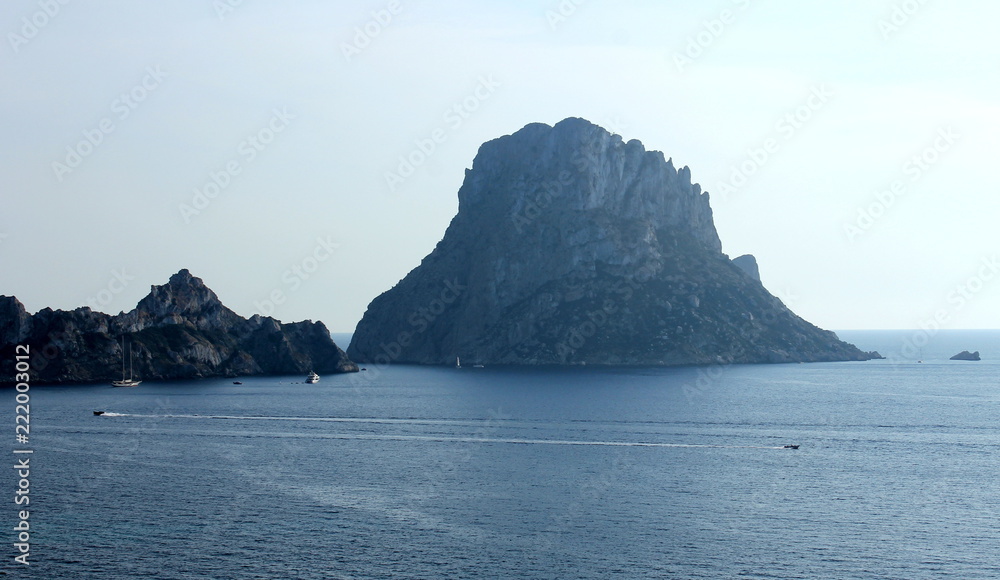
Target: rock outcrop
179	331
966	355
573	247
748	264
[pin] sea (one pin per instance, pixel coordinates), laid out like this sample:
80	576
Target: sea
513	472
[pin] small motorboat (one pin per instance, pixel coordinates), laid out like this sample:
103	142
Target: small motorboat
237	383
791	447
98	412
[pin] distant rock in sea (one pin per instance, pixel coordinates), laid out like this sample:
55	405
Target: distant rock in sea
966	355
572	246
179	331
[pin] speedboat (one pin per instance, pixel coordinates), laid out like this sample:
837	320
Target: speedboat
98	412
791	447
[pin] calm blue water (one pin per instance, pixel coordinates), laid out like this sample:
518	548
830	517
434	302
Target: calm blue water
520	473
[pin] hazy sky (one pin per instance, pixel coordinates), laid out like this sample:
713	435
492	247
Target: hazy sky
850	146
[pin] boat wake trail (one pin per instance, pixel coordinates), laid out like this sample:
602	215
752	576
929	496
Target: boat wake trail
550	442
436	437
367	420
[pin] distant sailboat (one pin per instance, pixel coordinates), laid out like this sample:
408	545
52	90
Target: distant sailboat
458	363
129	382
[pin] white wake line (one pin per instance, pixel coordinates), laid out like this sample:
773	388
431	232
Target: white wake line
474	422
549	442
438	438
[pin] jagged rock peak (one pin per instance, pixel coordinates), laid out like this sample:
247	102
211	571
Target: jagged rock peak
577	166
183	277
179	330
183	294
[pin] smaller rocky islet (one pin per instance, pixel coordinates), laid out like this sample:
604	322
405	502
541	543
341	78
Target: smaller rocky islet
180	330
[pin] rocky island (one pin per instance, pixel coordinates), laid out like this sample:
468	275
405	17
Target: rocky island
571	246
966	355
178	331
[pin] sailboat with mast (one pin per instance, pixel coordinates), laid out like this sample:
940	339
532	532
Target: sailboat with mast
129	382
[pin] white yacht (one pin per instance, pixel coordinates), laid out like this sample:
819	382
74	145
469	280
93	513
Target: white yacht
129	382
312	378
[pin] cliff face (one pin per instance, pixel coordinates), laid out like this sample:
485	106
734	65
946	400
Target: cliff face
571	246
180	330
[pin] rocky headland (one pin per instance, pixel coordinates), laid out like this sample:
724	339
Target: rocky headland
571	246
180	330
